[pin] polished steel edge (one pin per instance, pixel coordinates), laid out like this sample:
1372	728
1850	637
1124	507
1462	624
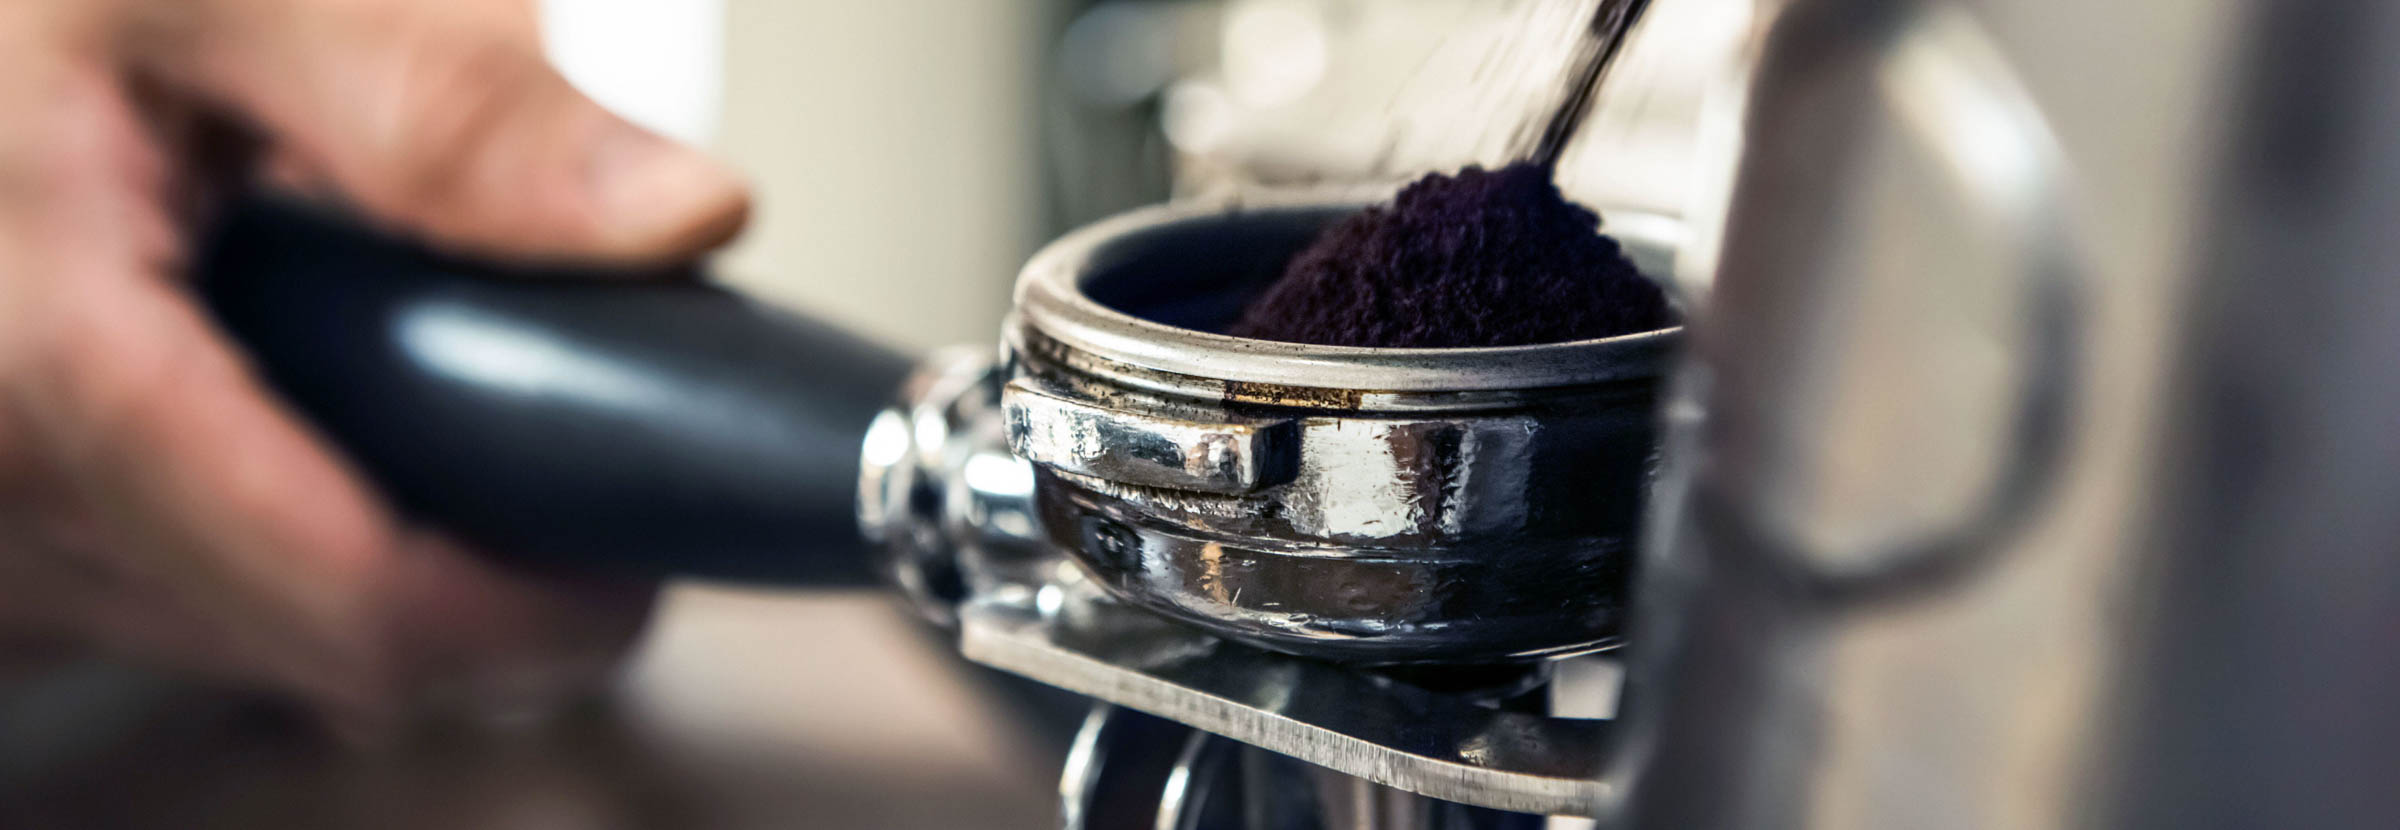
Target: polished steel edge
907	448
1363	606
1347	721
1062	364
1144	448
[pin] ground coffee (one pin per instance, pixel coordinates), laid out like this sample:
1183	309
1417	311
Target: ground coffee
1483	258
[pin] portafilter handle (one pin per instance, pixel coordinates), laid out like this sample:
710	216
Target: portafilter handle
642	423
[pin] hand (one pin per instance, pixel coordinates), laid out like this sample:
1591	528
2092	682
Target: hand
155	500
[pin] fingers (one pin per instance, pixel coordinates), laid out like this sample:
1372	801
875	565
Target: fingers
235	538
184	514
443	119
213	499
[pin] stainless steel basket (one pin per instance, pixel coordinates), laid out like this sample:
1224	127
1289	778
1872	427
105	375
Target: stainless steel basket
1356	504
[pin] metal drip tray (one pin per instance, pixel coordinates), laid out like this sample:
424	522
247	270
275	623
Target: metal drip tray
1442	745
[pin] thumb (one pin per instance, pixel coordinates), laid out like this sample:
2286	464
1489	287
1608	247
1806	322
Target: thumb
443	119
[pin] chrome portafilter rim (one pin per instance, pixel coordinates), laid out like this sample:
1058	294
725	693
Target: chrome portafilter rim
1050	300
1362	505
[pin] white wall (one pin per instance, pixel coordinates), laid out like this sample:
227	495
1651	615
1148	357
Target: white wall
892	143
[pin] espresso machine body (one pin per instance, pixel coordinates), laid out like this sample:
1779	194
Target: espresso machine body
2044	467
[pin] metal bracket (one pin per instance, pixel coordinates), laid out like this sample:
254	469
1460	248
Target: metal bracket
1356	723
1138	448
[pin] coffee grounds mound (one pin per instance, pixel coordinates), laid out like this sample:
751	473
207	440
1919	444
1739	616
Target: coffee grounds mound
1483	258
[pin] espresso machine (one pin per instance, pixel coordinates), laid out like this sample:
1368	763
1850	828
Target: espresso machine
2026	461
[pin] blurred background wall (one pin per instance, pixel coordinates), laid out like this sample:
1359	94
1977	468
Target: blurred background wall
893	144
910	154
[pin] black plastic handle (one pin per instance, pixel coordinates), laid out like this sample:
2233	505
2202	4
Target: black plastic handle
566	420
